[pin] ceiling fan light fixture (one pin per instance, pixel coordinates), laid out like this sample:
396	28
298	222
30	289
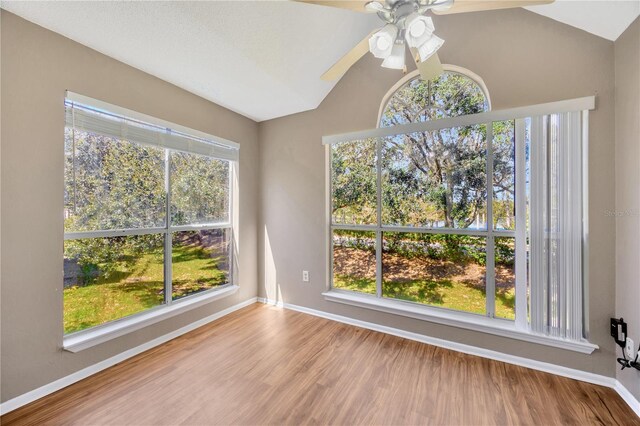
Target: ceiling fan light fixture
396	59
428	48
419	29
382	43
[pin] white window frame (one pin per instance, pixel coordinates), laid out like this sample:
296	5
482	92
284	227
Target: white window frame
518	329
447	68
83	339
490	233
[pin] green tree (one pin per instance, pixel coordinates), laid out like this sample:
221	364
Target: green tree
440	176
116	184
199	189
353	182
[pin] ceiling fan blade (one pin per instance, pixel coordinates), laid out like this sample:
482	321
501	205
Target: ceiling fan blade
429	69
338	69
354	5
460	6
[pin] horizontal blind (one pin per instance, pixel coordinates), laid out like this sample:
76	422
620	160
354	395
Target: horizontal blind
86	118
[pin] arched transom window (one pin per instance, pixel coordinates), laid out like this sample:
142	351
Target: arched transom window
452	94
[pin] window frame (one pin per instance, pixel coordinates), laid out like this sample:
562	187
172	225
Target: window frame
167	231
489	232
517	329
416	73
86	338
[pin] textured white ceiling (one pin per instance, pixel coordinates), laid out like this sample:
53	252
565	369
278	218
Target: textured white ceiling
605	18
262	59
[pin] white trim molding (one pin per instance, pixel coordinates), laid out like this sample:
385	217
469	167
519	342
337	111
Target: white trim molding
47	389
495	326
627	397
579	104
558	370
446	67
85	339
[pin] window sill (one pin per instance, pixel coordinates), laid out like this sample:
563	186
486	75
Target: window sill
464	320
81	340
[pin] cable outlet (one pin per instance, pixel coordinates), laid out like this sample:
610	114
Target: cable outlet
305	276
619	331
630	349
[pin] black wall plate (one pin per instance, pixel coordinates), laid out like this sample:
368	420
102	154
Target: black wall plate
619	331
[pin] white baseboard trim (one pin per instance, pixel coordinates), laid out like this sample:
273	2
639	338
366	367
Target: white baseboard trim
47	389
627	397
473	350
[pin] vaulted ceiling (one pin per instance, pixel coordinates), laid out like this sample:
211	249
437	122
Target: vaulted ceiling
262	59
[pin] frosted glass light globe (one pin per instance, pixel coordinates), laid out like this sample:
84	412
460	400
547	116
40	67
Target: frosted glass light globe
383	43
417	28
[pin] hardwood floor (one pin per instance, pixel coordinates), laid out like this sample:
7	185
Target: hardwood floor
265	365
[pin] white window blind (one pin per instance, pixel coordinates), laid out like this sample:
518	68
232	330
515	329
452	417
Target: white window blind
556	232
98	117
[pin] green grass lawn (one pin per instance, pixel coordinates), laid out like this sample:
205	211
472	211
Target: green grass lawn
135	287
444	293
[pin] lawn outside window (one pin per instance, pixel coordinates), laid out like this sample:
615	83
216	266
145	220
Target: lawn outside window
148	218
430	214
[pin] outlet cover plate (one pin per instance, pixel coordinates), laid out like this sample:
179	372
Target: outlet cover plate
630	349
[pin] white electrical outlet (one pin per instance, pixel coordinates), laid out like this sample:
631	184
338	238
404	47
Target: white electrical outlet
305	276
630	349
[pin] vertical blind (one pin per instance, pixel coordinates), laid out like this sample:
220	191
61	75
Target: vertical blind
556	228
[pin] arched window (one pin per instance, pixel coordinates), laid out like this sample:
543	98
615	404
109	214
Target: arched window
446	167
423	209
422	198
456	92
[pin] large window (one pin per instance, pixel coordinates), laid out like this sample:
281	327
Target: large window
435	181
147	216
472	216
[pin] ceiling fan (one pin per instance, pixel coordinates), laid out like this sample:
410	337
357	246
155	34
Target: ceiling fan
407	22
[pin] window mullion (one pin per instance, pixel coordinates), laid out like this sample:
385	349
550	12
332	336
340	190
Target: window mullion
73	158
108	233
329	214
230	213
536	235
490	289
200	227
168	288
379	217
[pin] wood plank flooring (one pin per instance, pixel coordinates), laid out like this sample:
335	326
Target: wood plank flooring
265	365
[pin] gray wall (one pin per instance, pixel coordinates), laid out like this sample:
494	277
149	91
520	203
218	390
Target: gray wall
37	67
627	219
524	59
